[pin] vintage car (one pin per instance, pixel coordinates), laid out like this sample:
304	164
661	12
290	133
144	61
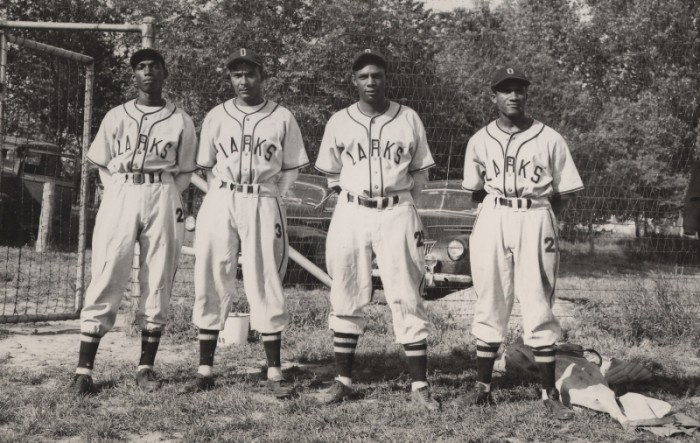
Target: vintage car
445	209
309	207
448	216
26	165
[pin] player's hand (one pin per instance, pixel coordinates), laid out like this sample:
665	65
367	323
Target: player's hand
336	189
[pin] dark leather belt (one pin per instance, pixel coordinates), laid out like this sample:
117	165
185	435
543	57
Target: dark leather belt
373	203
143	177
237	187
518	203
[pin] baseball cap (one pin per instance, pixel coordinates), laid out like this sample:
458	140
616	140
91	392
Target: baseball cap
145	54
244	54
506	73
367	55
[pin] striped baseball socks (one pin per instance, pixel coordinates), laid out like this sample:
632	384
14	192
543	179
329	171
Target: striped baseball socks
88	350
544	359
149	347
273	352
207	348
485	359
344	346
417	358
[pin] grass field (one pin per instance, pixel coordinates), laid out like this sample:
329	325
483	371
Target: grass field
626	309
35	407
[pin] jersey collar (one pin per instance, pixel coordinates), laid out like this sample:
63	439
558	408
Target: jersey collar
496	131
134	109
389	112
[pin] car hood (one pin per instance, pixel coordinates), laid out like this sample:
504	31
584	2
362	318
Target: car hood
441	224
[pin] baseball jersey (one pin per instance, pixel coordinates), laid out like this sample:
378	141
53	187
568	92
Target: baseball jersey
374	155
532	163
131	140
250	145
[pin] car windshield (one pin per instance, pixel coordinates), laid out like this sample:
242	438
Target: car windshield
306	194
449	200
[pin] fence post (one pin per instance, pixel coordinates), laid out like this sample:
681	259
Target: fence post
82	210
148	32
44	234
3	75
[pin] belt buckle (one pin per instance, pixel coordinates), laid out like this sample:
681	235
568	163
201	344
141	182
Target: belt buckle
137	178
522	205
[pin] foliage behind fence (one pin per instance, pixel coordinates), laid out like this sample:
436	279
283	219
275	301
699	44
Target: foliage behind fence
617	79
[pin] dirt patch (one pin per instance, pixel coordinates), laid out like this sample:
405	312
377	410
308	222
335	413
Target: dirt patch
56	344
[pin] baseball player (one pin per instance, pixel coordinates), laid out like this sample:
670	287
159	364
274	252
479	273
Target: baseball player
252	149
145	150
527	173
376	155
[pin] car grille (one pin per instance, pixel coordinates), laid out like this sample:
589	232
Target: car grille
428	246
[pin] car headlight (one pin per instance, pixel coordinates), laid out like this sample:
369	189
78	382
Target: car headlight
455	250
190	223
430	261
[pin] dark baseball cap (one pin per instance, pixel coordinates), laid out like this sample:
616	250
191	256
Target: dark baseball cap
244	54
145	54
508	73
368	55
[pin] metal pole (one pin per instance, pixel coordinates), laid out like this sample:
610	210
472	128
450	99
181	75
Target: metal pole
148	32
60	52
3	83
107	27
87	133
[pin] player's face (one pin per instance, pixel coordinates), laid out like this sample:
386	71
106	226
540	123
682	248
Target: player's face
370	82
510	98
150	76
247	82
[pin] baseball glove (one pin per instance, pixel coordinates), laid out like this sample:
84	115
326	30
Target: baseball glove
621	371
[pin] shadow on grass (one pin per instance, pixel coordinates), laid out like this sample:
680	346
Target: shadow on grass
662	386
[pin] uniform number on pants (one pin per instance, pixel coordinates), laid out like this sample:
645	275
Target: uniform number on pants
180	215
278	230
549	245
419	238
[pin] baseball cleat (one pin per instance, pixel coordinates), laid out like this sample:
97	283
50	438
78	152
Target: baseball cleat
82	385
555	407
477	397
337	393
198	384
423	398
146	379
280	388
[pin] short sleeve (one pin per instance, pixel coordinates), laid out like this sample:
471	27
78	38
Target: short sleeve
294	151
100	152
473	168
565	177
187	155
206	154
422	157
328	160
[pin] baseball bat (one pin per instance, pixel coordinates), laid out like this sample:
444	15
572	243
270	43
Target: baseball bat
295	255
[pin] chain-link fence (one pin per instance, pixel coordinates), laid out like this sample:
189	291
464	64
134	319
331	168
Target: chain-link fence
618	84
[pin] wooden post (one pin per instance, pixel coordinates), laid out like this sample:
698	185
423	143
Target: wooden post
46	218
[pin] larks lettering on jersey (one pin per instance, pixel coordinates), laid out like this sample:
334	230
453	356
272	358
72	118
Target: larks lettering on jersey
130	140
532	163
250	146
374	155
